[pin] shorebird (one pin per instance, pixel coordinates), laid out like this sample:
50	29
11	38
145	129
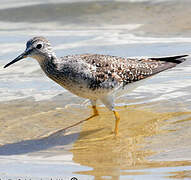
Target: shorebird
94	76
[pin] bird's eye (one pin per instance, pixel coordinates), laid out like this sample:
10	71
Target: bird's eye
39	46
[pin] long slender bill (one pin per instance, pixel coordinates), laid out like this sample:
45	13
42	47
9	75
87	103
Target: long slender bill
22	56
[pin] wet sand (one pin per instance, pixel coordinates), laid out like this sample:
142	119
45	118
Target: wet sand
35	113
32	134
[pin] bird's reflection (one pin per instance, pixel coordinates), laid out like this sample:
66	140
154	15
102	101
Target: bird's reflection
109	155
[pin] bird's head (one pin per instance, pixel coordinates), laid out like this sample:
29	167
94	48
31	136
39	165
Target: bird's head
37	48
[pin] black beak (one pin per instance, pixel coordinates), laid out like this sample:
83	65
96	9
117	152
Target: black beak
22	56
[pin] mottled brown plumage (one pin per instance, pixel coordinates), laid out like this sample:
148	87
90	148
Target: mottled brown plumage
94	76
111	71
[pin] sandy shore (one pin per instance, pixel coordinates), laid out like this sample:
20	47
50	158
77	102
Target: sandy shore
155	118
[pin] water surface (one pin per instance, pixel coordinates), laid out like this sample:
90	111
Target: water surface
154	141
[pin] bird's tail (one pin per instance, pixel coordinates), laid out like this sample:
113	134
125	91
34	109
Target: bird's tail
173	59
168	62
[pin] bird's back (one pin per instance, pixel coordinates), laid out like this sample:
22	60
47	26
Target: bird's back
94	73
105	68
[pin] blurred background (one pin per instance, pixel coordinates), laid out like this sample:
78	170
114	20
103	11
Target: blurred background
155	124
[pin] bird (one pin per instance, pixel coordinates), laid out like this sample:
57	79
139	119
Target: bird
95	76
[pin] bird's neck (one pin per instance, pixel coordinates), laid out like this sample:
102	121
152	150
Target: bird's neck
47	63
42	58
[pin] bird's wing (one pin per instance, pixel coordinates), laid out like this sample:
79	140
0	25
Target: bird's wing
130	69
109	70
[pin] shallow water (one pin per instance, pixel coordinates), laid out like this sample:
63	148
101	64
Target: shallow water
154	141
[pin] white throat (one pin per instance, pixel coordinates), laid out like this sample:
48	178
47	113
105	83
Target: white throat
39	58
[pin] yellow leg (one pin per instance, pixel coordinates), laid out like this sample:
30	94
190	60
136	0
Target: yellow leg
95	113
117	119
